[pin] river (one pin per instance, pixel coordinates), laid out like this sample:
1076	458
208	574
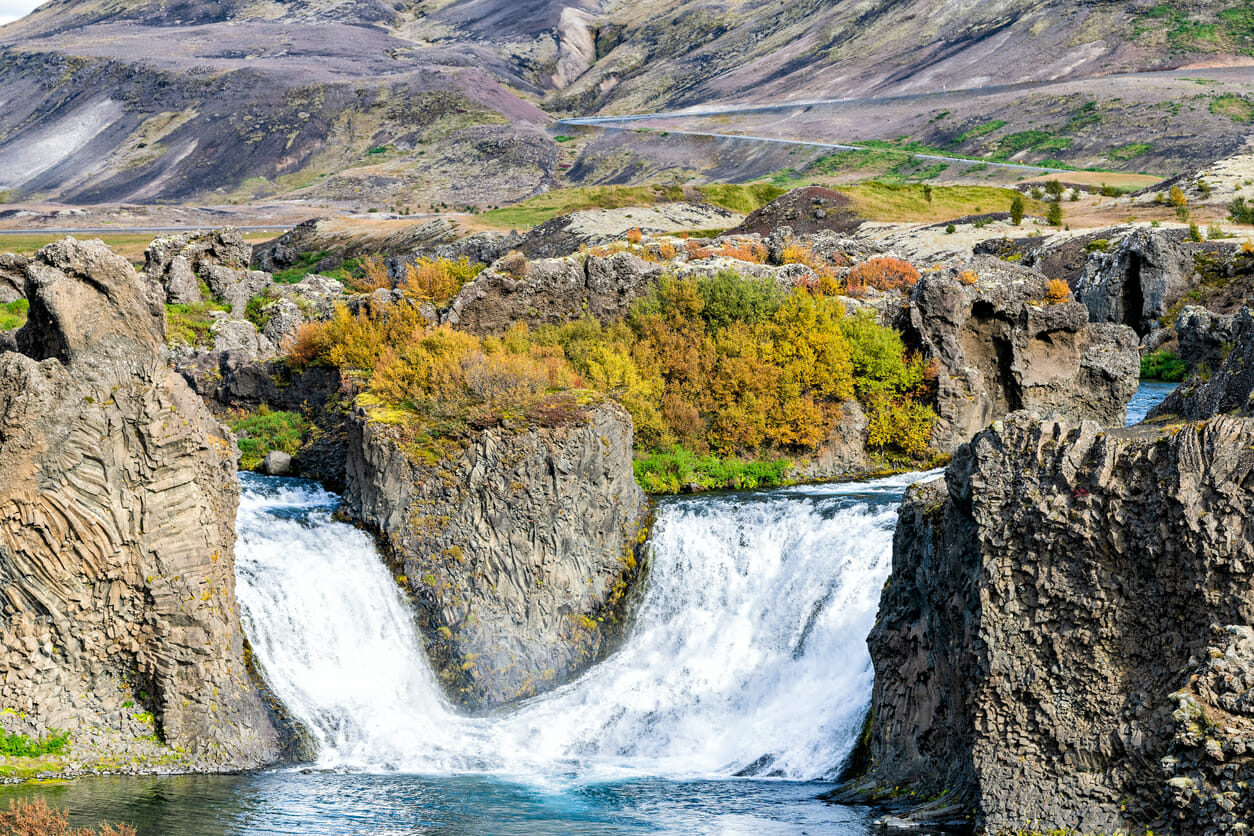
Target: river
731	705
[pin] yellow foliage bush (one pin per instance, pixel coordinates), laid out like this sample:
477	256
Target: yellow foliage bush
1057	291
438	279
968	277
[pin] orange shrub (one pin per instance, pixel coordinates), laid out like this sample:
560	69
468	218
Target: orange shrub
1057	291
634	235
968	277
36	818
375	276
882	273
1248	247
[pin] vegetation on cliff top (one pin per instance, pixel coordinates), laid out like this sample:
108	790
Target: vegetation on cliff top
725	377
266	430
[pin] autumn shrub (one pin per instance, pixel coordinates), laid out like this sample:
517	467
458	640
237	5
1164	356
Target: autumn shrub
373	276
1057	291
728	297
439	279
35	818
750	251
634	236
882	273
968	277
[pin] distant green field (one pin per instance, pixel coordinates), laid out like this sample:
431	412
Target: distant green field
537	210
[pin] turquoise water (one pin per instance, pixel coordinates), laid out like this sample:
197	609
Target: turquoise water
291	802
1148	395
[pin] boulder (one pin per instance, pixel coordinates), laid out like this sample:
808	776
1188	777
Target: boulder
276	463
516	545
551	291
234	286
12	277
1000	347
1045	649
117	515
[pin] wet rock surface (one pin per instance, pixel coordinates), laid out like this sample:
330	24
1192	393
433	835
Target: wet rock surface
517	549
1000	347
117	533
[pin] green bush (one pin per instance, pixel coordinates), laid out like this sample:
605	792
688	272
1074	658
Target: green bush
678	469
730	297
1240	211
13	315
1163	365
267	430
191	324
1016	210
21	746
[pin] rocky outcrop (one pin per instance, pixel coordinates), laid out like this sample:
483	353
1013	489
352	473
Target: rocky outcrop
1229	389
551	291
12	277
842	455
117	532
1000	347
516	546
1136	282
176	262
1203	337
1044	650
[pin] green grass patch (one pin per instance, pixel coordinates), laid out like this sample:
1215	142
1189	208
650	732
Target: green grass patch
1163	365
1230	30
13	315
738	198
677	470
563	138
21	746
1128	152
191	324
267	430
305	264
979	131
741	199
877	201
1237	108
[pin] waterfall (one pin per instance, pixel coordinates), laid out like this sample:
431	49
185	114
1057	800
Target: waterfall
747	655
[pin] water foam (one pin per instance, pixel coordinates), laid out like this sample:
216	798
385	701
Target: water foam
747	655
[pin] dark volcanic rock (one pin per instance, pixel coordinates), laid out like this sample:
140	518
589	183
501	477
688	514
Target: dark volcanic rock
1000	348
1229	389
1137	281
117	535
1204	338
1044	649
515	547
807	211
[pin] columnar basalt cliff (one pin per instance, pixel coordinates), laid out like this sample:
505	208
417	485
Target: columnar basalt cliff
1000	346
1048	648
117	516
517	548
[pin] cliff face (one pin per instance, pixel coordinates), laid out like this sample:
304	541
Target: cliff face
1047	648
1000	347
517	548
117	519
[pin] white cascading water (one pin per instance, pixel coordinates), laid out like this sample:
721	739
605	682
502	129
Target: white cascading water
747	654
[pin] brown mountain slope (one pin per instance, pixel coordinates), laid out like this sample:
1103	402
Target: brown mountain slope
414	102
